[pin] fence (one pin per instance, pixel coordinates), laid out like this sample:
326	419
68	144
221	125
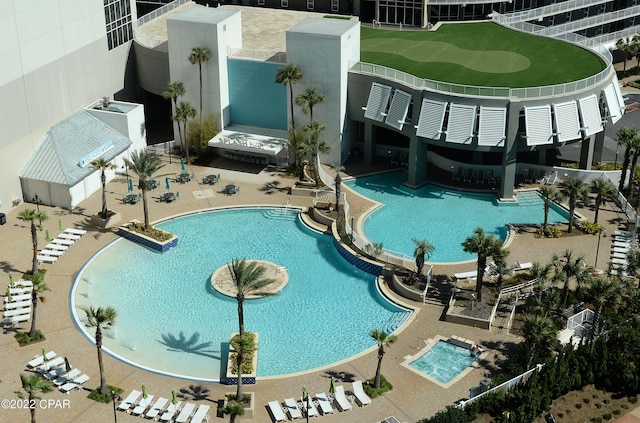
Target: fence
506	386
509	291
626	207
160	11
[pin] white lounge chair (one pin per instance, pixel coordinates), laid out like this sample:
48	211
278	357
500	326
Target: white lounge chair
73	231
324	403
69	236
17	312
23	284
276	411
49	364
185	413
466	275
312	411
17	304
358	391
74	384
39	359
170	412
55	373
292	408
62	241
523	266
142	405
200	413
59	247
20	291
156	408
622	262
67	377
54	253
9	322
131	399
46	259
341	399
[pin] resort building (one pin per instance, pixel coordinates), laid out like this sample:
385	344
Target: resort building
63	56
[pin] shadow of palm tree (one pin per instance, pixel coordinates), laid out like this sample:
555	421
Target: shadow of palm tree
339	376
190	345
194	393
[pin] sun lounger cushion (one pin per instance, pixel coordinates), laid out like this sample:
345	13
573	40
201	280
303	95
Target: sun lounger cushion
74	384
156	408
359	393
40	359
341	399
74	373
276	411
324	403
292	408
170	411
185	413
131	399
200	413
142	405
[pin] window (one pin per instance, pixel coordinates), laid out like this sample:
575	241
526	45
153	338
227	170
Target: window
335	5
310	4
284	3
117	14
260	2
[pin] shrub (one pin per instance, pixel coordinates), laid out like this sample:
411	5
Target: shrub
154	233
597	419
633	400
374	249
589	227
247	363
586	400
385	386
106	398
616	411
550	232
606	416
578	406
23	338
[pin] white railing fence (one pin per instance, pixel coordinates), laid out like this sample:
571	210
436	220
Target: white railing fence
160	11
507	292
625	205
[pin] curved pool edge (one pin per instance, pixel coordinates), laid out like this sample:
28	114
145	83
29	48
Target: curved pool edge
84	330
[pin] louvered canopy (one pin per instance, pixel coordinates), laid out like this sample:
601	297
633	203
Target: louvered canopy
614	100
492	126
431	119
377	102
567	121
462	121
538	125
590	113
398	109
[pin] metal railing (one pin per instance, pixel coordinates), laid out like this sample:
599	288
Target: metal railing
261	55
160	11
625	205
551	9
615	36
593	21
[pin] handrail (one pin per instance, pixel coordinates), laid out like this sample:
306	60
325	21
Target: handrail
551	9
160	11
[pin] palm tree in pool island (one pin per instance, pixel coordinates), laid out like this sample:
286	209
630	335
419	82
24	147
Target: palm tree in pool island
423	252
33	385
101	318
144	165
384	340
31	215
289	75
199	55
485	246
101	165
248	279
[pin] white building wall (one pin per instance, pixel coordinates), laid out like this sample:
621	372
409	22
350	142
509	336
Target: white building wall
325	49
54	61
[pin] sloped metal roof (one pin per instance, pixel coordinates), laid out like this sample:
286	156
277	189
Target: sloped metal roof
57	158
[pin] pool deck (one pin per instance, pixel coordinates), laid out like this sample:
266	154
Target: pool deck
413	398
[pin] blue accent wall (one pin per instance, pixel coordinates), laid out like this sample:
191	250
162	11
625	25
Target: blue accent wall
255	99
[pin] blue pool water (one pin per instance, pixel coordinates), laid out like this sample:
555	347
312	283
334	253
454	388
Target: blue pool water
443	217
443	361
171	320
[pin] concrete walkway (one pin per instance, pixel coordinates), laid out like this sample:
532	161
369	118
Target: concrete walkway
413	398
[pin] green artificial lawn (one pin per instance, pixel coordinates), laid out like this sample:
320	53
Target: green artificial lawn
484	54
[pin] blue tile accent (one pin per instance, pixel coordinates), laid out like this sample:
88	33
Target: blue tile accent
246	380
153	245
371	268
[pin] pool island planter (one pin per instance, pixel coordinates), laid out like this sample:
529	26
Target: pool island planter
248	410
145	241
247	378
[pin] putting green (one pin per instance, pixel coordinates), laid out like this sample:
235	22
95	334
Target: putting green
441	52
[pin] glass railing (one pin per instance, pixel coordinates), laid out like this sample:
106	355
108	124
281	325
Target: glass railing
550	10
160	11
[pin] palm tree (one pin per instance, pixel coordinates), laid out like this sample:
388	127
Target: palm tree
605	191
539	273
184	112
539	333
602	292
575	190
423	252
624	138
635	144
313	131
629	47
500	269
289	75
233	409
384	340
199	55
174	90
485	246
338	180
144	165
633	263
548	194
101	318
568	267
38	288
33	384
102	164
308	99
247	279
31	215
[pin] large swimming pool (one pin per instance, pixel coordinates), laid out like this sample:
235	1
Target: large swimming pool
171	321
443	217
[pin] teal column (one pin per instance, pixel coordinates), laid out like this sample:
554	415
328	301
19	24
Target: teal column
369	143
509	155
417	168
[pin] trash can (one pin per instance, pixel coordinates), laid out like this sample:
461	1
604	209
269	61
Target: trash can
3	218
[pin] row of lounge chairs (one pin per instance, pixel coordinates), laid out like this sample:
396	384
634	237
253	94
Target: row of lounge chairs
540	176
470	175
56	248
57	370
623	242
163	409
17	303
322	404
